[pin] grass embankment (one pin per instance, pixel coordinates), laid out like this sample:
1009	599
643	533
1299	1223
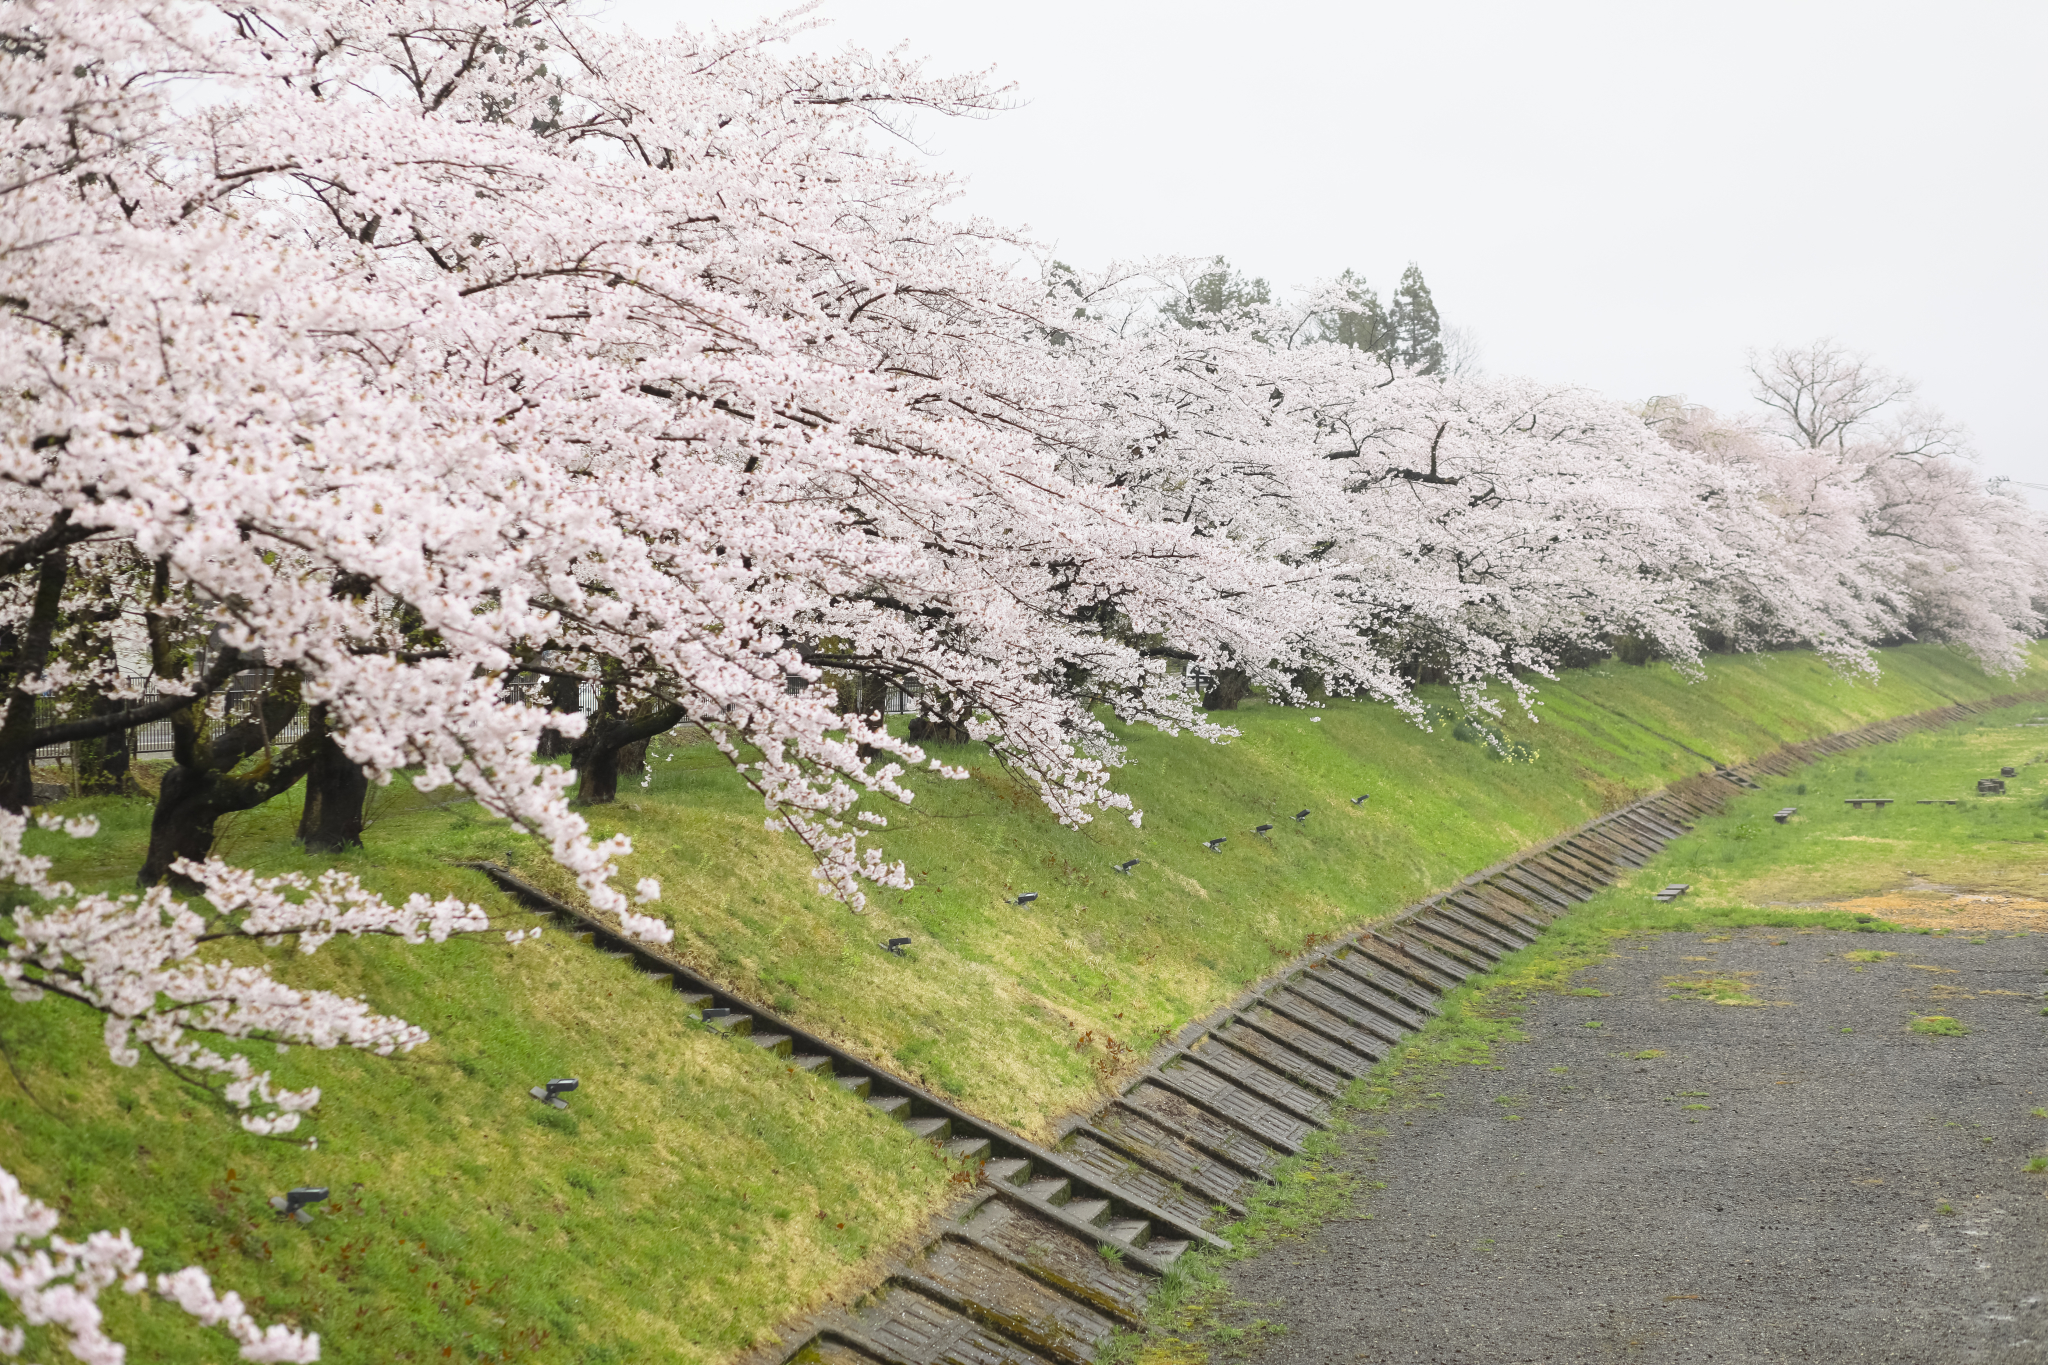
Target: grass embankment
1975	867
694	1193
702	1193
992	1004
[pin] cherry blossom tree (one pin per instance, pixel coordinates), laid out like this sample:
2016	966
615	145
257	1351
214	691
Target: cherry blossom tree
1461	529
628	361
55	1285
1884	527
372	359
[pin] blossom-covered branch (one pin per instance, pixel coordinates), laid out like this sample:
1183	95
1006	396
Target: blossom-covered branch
55	1284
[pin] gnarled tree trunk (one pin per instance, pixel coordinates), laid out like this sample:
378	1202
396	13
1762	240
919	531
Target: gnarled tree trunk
565	696
597	754
22	656
941	719
336	787
102	762
1230	687
203	784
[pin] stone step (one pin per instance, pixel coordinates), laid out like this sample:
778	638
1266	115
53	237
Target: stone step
1589	871
1374	963
1132	1232
1299	1009
1568	878
664	980
1167	1249
1408	967
1092	1211
859	1085
1052	1189
1144	1192
817	1064
1059	1255
1425	958
935	1130
967	1149
890	1106
1334	1014
1009	1302
1304	1040
1261	1080
1476	902
914	1328
1424	931
1008	1170
697	1000
778	1044
1356	979
1518	900
1519	905
1538	891
738	1025
1283	1059
1459	927
1204	1176
1237	1106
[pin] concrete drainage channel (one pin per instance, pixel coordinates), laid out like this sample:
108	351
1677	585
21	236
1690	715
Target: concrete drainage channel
1018	1273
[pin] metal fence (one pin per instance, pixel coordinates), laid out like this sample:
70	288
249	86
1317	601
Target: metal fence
153	739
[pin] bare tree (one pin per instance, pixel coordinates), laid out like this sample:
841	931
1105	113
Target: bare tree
1824	390
1461	351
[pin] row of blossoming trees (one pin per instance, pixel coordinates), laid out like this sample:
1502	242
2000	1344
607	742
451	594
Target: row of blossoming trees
437	363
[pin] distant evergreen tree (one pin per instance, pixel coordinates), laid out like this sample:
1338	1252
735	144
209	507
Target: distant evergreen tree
1218	292
1061	278
1363	323
1417	340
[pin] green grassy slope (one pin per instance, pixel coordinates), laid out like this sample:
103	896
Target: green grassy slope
1982	860
695	1192
702	1192
1741	866
1020	1014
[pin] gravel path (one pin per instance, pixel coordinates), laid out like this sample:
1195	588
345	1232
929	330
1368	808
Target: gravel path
1805	1179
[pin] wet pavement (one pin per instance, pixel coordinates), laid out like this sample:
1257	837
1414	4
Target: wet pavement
1805	1178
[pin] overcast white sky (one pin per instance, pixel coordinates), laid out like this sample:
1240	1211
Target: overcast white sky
1622	195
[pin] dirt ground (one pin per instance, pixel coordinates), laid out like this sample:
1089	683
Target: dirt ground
1921	904
1796	1175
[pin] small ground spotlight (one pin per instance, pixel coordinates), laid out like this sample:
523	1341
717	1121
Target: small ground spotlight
1125	868
1214	845
1262	830
897	945
292	1203
1361	800
552	1093
1300	816
1026	898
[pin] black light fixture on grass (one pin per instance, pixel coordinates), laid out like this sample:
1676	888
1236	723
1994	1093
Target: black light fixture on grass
1300	816
1125	868
897	945
1262	830
1026	898
292	1203
711	1012
1361	800
552	1093
1214	845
